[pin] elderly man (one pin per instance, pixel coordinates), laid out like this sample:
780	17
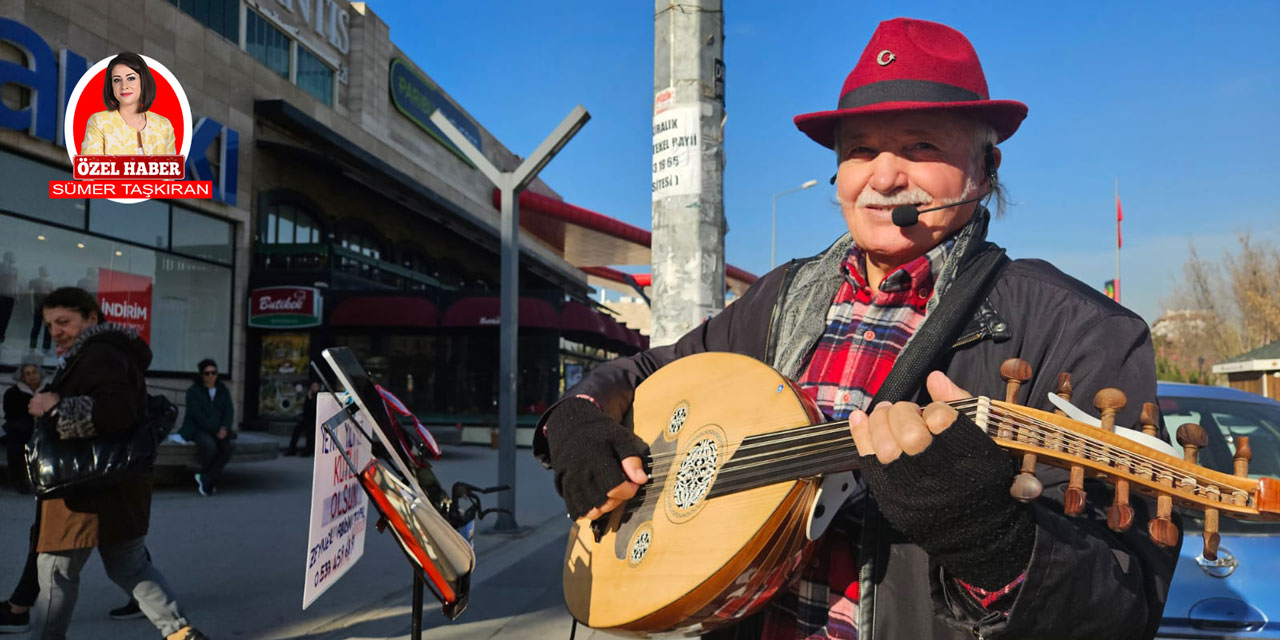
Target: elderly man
937	548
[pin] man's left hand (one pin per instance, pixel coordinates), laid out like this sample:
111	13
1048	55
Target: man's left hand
949	493
41	403
893	429
222	433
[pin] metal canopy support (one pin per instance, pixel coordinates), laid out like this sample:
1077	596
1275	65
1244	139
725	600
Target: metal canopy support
510	184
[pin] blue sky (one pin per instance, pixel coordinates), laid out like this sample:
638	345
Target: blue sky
1178	100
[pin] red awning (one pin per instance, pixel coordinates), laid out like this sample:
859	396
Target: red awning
385	311
585	238
485	311
579	318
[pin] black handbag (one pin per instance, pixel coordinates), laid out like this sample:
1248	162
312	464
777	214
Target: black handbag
60	466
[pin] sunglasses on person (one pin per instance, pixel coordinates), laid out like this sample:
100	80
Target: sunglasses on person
209	372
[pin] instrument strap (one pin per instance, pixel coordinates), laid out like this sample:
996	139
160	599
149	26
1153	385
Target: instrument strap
941	327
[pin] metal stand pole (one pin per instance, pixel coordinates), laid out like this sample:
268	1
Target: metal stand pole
415	628
510	184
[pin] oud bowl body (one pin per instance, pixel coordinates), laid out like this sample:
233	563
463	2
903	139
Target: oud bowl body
686	556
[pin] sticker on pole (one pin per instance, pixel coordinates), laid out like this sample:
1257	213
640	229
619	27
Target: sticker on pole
677	154
339	510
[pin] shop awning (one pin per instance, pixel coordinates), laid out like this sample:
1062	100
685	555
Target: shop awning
581	319
485	311
385	311
588	239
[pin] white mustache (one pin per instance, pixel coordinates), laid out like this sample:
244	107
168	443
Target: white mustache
872	198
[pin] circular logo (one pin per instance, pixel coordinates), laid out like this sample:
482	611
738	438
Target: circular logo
885	57
170	102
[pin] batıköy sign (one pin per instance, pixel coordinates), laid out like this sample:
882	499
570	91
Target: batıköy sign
284	307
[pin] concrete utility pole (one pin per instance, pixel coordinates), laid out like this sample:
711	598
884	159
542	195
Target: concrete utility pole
510	184
688	163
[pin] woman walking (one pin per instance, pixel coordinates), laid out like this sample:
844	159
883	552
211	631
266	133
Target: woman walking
98	389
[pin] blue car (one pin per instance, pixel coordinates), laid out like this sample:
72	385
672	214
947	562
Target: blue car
1237	596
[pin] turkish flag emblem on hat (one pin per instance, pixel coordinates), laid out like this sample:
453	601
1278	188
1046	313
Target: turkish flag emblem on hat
915	65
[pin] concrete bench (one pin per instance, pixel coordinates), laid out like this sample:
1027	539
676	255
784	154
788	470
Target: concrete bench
250	447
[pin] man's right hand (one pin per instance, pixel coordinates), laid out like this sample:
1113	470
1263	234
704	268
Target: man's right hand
598	463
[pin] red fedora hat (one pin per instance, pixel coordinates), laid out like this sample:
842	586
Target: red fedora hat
915	65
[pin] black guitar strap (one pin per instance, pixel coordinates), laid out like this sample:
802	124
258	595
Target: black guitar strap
941	327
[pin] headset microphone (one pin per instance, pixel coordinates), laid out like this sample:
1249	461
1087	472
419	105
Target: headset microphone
906	215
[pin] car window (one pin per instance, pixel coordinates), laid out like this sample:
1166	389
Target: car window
1223	420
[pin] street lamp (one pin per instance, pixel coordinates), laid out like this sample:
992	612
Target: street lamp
773	231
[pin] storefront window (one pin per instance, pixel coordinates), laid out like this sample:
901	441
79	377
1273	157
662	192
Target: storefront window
314	76
146	223
182	306
201	236
267	44
288	224
26	191
362	244
223	16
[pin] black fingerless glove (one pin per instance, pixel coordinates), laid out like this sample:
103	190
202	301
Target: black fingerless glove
952	499
586	449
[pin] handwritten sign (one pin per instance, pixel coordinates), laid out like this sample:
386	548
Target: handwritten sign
339	509
677	154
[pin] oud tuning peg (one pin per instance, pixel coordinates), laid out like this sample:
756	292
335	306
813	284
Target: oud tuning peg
1150	418
1026	486
1054	439
1243	455
1193	438
1109	401
1015	371
1064	386
1211	537
1162	529
1120	513
1073	499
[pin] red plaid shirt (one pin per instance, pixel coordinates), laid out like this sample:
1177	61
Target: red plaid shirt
866	330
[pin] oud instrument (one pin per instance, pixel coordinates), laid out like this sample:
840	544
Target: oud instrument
735	454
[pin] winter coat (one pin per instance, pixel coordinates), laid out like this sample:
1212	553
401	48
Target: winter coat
103	389
205	414
18	422
1083	581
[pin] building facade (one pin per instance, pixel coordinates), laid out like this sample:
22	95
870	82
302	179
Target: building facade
341	217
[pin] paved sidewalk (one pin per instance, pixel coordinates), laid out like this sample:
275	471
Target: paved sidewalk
237	562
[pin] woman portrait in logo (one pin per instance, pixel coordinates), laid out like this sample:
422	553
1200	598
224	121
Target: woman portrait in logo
128	127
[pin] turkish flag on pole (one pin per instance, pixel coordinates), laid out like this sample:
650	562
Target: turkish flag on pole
1119	218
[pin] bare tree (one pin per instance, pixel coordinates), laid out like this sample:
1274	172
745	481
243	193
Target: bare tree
1254	273
1222	310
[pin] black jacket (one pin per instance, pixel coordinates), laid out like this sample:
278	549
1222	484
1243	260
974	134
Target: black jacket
18	422
207	414
102	385
1084	581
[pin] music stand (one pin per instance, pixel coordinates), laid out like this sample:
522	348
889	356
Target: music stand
441	558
